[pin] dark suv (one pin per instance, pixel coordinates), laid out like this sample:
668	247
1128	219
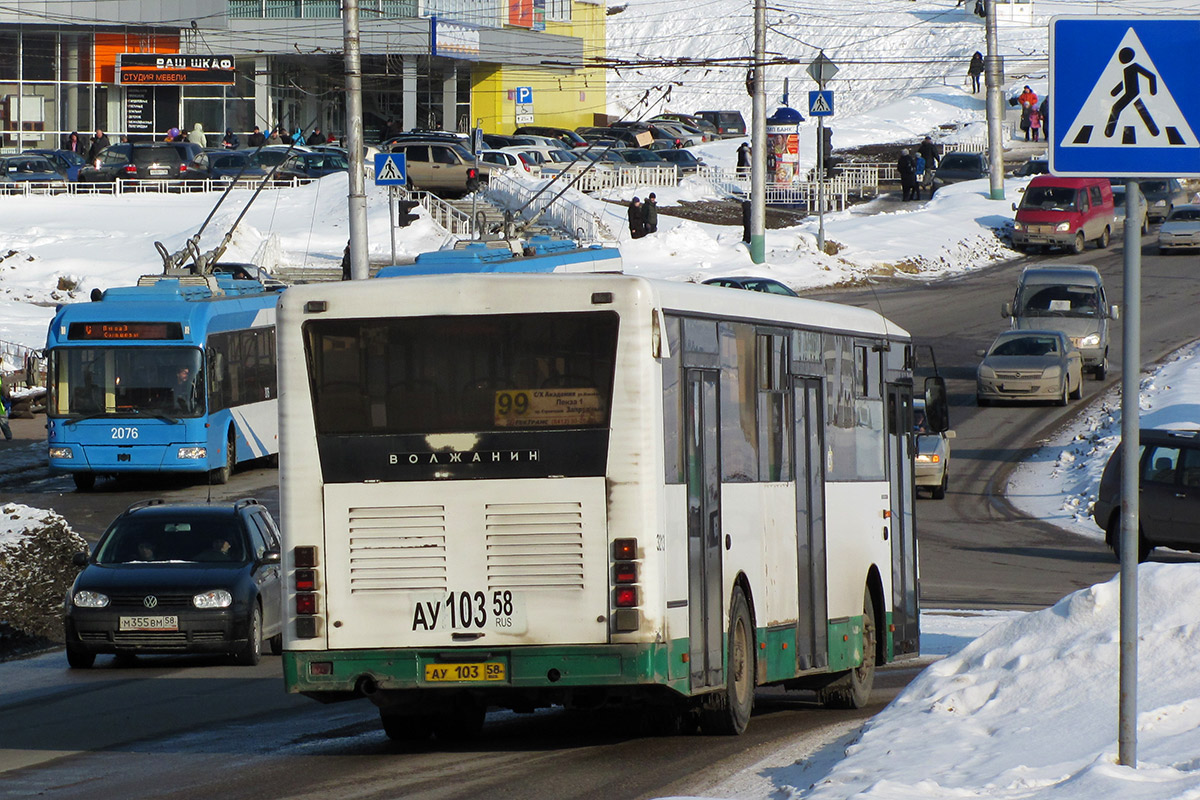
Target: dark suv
1169	504
179	578
152	161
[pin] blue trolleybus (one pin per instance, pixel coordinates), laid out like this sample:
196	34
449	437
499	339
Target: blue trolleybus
176	374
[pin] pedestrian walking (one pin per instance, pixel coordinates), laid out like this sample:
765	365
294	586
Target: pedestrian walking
99	142
298	136
974	70
1025	110
1044	111
74	143
743	158
637	219
928	151
196	135
650	213
906	165
1035	123
5	408
920	176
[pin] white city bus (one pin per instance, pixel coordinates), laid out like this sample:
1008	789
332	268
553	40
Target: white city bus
517	491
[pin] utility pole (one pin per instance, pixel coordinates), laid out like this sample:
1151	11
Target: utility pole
758	140
994	76
359	263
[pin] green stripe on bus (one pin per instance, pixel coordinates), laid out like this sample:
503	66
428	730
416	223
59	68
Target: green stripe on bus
845	643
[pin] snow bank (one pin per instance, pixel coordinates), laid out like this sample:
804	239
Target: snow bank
36	546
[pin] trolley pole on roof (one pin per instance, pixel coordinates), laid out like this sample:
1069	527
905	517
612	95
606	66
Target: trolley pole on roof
758	139
359	264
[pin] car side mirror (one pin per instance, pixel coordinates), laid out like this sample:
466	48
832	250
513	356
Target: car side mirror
80	559
981	353
1114	311
1014	205
270	557
1006	310
949	434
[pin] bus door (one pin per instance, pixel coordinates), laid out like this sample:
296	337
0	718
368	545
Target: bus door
903	525
812	646
703	464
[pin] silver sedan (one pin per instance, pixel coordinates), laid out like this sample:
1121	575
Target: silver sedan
1030	365
1181	230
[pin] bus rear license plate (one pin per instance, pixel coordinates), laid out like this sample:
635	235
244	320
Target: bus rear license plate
486	671
148	623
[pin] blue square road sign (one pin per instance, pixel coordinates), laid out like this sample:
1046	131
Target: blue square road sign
1124	98
820	104
391	169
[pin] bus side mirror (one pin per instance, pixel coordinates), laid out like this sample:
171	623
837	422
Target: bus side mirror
937	407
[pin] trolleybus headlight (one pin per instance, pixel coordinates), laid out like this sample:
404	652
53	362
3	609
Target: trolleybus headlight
928	458
193	452
213	598
86	599
61	452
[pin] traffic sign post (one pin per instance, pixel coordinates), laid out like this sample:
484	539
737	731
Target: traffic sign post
1124	103
821	70
1124	100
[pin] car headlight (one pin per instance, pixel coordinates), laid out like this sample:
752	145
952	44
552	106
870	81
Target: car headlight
1018	226
986	372
86	599
1062	227
1159	203
1051	372
928	458
193	452
1091	340
61	452
213	598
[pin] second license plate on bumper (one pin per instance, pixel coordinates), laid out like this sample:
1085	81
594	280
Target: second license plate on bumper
485	671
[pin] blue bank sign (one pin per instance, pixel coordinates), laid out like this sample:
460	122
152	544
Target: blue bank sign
1124	96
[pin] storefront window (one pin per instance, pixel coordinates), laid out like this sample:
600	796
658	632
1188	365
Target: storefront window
38	56
9	66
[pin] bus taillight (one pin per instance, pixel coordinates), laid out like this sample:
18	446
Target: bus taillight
626	618
624	549
626	597
304	582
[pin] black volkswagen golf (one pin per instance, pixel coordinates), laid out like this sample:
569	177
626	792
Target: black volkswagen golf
179	578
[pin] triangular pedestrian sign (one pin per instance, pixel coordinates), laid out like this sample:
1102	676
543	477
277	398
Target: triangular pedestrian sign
1130	105
390	171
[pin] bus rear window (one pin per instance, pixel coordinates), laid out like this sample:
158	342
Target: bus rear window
504	372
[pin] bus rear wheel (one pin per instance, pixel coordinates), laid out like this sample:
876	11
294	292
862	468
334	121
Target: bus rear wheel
730	715
853	688
405	727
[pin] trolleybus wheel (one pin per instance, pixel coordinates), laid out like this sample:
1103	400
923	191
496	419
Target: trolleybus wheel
462	722
731	716
84	481
405	727
853	688
220	475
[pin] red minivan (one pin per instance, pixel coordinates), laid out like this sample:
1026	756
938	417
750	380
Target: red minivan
1064	212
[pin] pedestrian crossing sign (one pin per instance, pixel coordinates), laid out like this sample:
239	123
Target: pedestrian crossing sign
820	104
390	169
1123	99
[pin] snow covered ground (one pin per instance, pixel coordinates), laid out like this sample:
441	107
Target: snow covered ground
1028	710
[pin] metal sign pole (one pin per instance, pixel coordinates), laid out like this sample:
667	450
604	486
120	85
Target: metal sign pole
392	219
1131	368
821	180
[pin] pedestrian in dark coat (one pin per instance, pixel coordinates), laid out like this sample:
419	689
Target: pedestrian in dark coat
230	140
650	213
99	142
907	167
974	70
1044	109
637	219
316	137
928	151
743	158
256	139
74	144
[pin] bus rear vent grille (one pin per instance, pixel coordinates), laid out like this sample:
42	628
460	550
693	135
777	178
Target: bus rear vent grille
534	546
397	548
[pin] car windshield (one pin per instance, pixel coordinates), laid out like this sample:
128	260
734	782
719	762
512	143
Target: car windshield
125	381
158	539
1059	300
1185	214
1049	198
960	161
1154	187
1026	346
